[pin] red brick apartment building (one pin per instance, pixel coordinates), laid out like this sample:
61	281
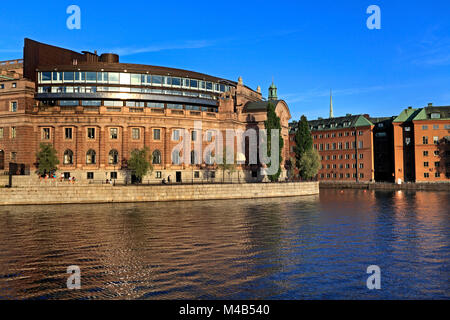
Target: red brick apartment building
422	144
95	110
411	147
345	145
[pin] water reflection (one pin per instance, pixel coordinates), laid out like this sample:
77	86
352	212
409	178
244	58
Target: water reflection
288	248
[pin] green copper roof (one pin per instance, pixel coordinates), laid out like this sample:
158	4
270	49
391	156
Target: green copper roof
407	115
435	113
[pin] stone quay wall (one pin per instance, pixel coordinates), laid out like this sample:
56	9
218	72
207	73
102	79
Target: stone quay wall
432	186
64	194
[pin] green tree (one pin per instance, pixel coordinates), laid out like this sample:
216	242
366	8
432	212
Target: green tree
309	164
230	167
139	163
303	140
47	159
273	122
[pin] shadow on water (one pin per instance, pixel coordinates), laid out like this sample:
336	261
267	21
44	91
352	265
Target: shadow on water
282	248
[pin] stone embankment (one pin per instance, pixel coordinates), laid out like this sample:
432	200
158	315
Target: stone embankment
65	193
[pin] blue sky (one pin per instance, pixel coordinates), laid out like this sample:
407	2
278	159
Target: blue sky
308	47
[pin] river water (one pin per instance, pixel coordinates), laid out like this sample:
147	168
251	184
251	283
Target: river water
315	247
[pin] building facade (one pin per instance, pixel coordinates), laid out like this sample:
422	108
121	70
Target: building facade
95	111
345	145
411	147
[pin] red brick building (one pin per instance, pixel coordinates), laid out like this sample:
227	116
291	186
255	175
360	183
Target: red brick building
422	144
95	111
345	147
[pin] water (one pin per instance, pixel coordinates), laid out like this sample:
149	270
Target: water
316	247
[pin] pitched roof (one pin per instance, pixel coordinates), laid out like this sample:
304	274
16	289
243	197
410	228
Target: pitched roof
258	106
435	113
407	115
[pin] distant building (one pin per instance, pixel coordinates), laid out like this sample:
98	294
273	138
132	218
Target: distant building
345	145
411	147
422	144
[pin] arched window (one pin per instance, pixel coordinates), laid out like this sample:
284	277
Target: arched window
176	157
156	157
91	157
113	157
68	157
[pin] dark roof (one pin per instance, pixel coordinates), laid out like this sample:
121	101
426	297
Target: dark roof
349	121
434	113
258	106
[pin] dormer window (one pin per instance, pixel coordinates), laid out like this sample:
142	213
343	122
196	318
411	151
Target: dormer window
435	115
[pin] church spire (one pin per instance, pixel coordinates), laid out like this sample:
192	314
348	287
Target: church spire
331	104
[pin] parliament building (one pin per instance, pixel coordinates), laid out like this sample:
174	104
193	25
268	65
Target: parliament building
96	110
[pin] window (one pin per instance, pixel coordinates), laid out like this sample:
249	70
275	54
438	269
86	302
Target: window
14	85
113	175
194	135
361	175
437	175
91	157
156	134
13	132
407	129
425	164
447	126
196	174
435	115
176	157
1	133
91	133
136	133
68	133
66	175
158	174
436	140
425	153
46	134
113	157
2	86
424	127
156	156
361	156
155	105
361	165
68	157
360	145
91	103
194	157
13	156
435	126
424	140
13	106
116	103
176	135
426	175
437	164
436	153
113	133
90	176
